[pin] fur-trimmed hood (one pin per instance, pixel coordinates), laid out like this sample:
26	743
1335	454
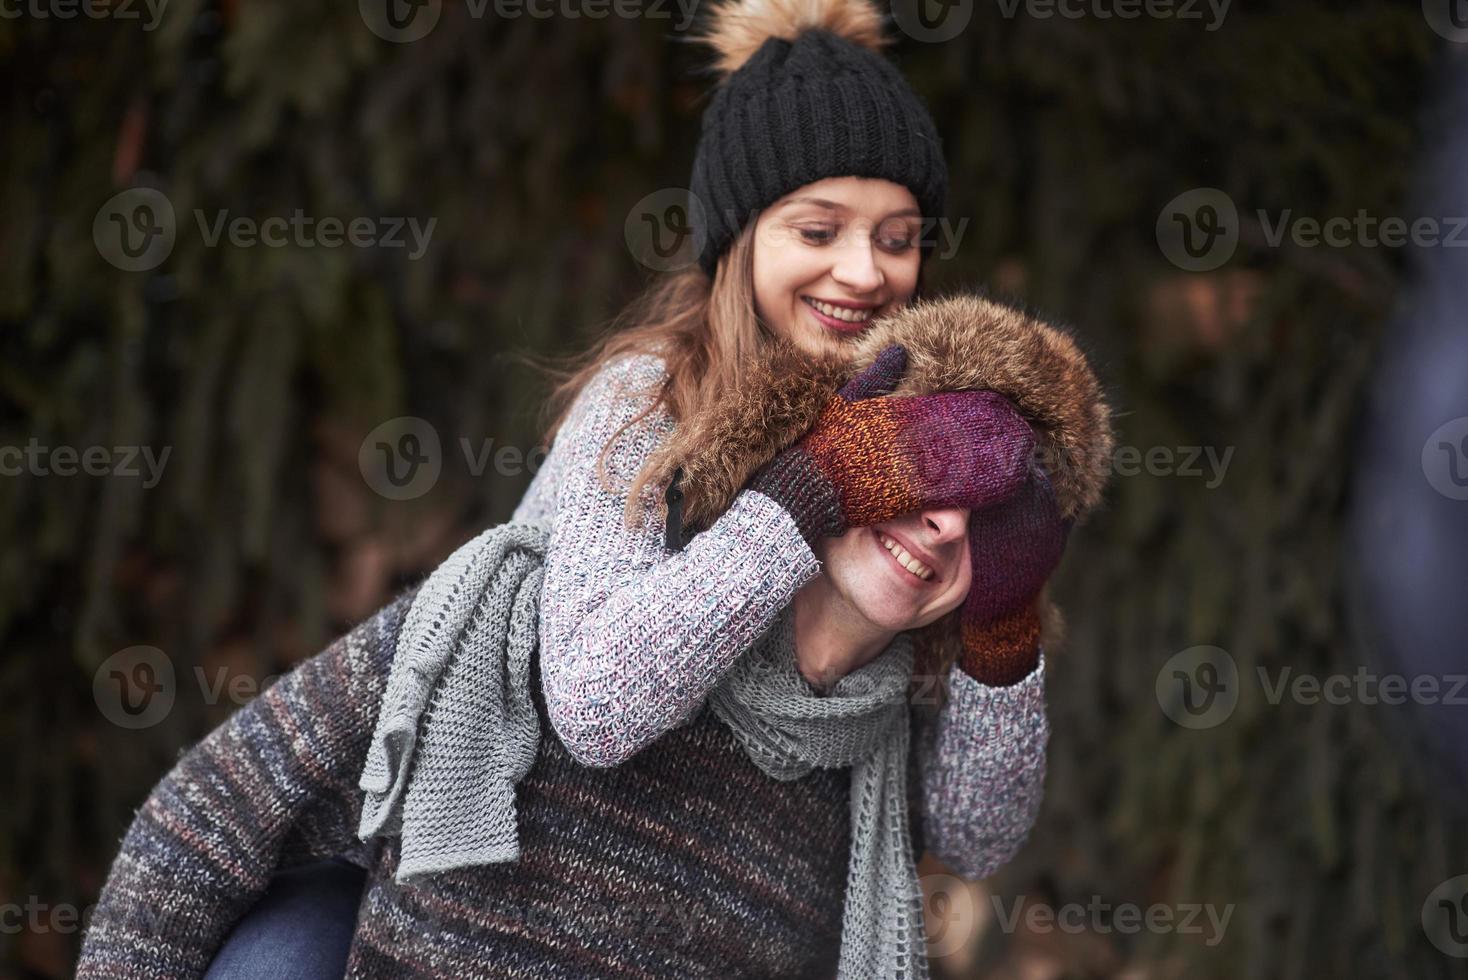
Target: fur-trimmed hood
957	343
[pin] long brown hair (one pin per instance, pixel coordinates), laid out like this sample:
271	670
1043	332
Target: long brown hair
707	332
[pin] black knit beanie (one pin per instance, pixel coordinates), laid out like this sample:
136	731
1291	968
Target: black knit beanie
807	96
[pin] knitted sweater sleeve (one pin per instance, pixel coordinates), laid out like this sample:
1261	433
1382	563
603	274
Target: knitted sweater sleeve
983	770
634	635
202	848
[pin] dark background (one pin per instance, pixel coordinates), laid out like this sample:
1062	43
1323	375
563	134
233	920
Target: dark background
530	142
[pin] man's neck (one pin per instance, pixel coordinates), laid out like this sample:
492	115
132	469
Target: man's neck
832	638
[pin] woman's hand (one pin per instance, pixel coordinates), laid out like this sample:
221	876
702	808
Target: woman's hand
871	456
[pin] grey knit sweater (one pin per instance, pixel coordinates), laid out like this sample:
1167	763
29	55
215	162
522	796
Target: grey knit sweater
682	860
634	637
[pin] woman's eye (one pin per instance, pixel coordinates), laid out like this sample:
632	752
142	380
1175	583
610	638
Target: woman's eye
898	236
817	236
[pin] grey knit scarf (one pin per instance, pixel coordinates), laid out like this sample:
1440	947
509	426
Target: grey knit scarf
458	701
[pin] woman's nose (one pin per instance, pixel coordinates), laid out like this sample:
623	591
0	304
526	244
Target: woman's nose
856	267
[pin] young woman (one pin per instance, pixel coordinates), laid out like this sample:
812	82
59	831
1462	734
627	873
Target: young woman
651	845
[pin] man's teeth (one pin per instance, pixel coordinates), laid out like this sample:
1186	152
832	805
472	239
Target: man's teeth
905	560
840	312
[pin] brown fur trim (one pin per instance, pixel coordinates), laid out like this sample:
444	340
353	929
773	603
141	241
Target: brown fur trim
783	393
969	343
958	343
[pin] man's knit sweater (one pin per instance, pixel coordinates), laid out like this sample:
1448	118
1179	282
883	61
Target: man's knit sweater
651	845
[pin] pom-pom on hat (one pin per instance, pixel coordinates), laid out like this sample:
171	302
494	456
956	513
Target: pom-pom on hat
806	94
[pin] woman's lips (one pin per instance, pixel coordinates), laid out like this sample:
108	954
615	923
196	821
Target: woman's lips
840	326
897	566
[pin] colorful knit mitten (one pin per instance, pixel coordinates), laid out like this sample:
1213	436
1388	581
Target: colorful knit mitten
872	456
1014	546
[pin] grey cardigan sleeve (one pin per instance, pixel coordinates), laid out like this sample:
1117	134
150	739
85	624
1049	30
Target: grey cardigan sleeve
634	636
983	771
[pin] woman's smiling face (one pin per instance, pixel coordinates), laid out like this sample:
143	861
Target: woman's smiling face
833	255
905	573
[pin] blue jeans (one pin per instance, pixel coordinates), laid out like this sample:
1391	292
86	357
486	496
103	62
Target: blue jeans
301	929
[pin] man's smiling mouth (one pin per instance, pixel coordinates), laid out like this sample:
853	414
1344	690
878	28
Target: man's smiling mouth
911	565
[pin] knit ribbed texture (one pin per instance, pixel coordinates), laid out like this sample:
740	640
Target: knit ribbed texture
461	676
619	867
627	624
804	110
870	458
1014	546
461	679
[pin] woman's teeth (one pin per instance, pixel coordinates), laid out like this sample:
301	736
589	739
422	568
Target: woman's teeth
840	312
905	560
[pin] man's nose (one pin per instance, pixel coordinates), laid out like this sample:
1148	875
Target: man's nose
945	523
